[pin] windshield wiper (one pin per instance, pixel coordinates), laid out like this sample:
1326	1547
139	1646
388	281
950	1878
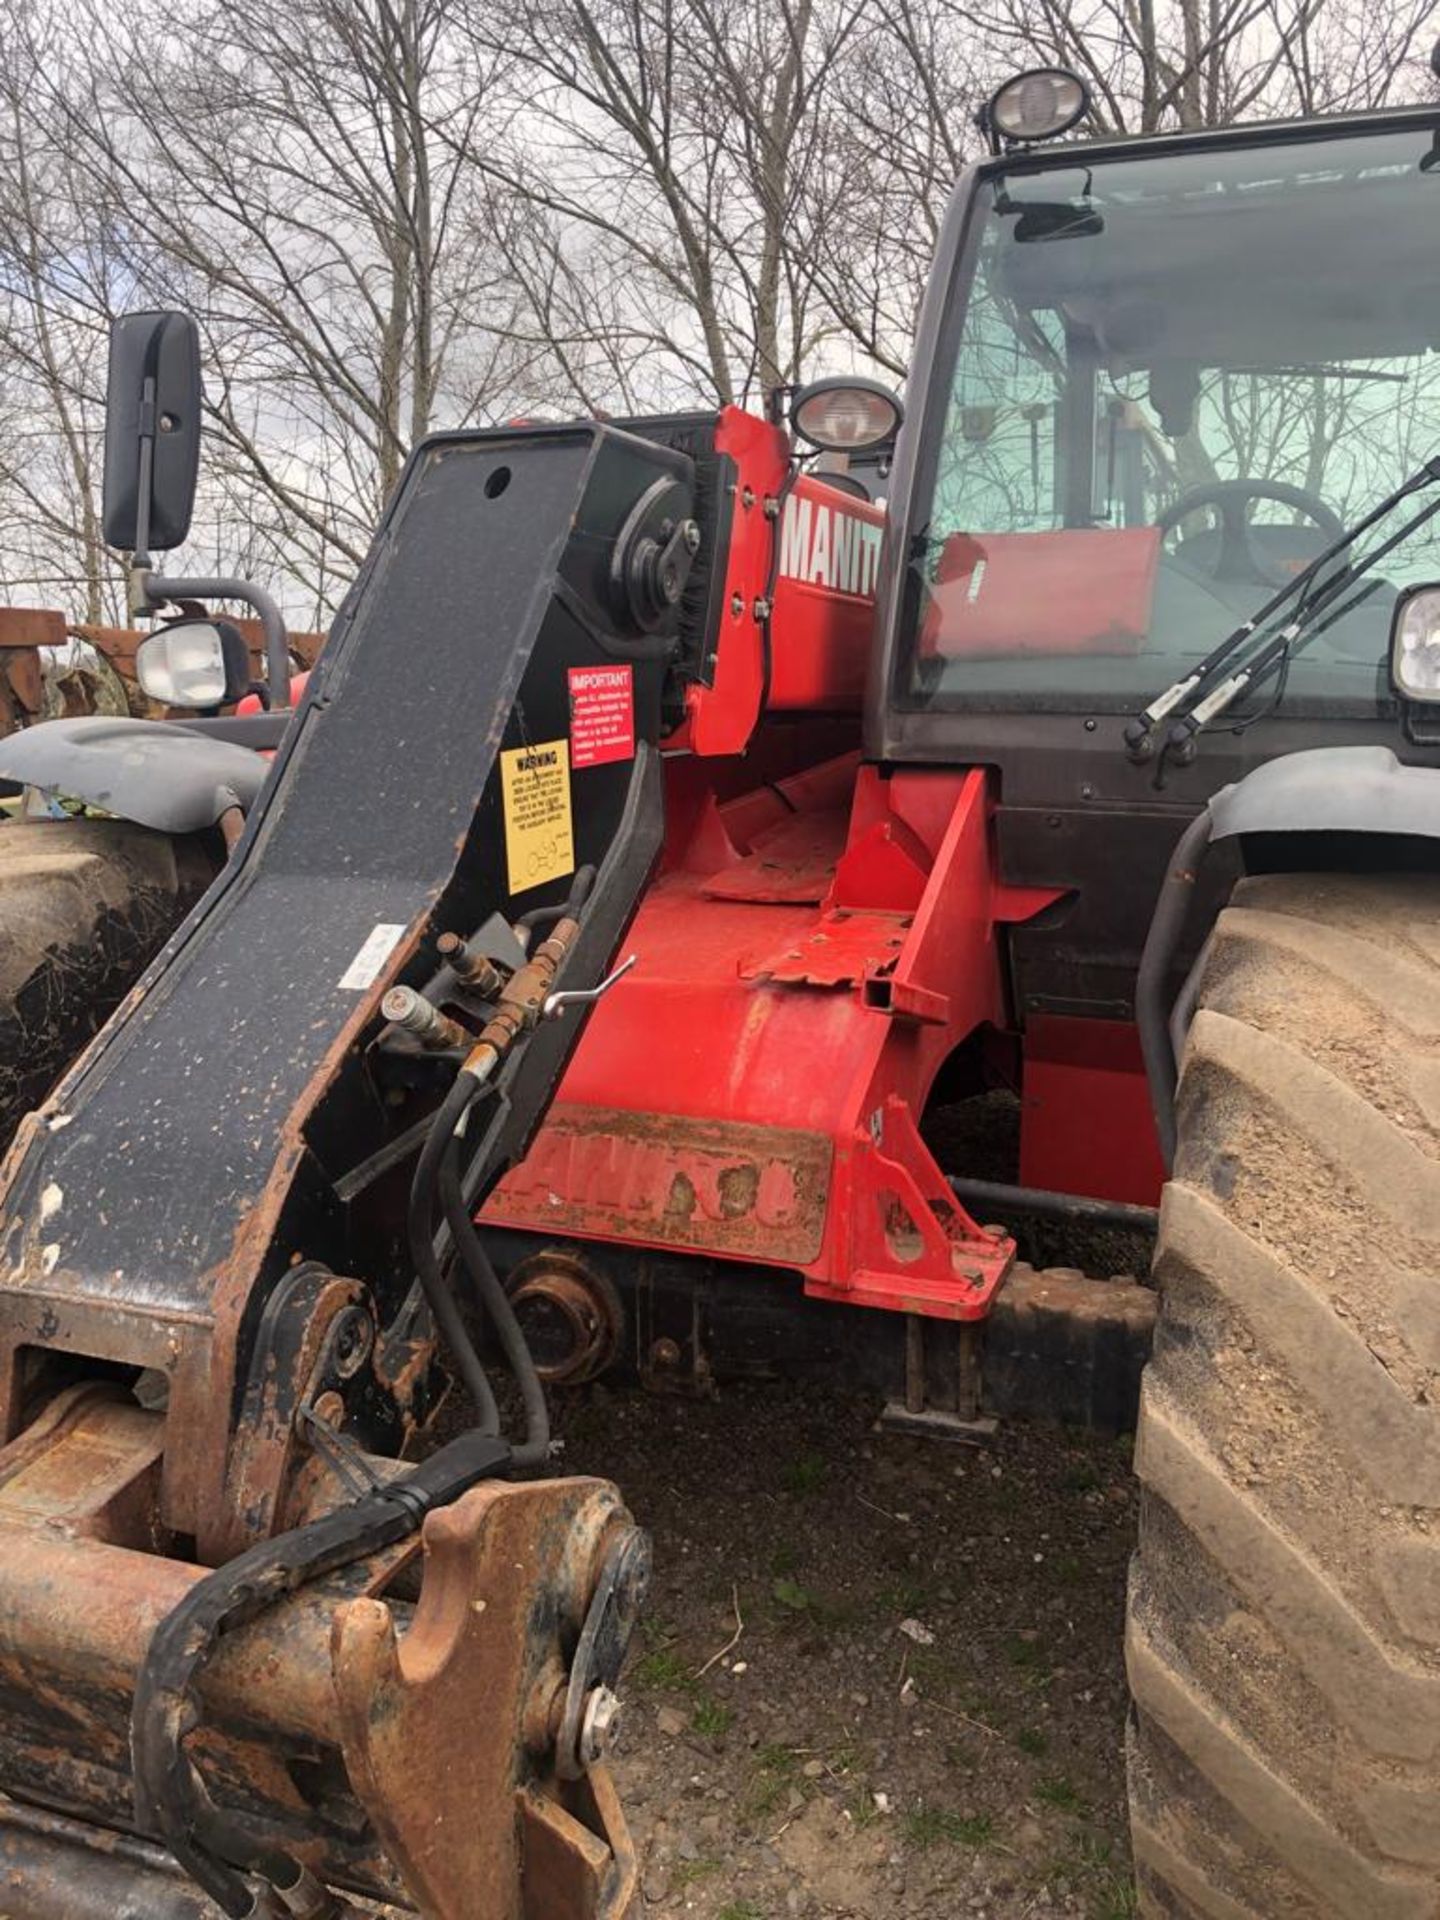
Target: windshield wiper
1191	695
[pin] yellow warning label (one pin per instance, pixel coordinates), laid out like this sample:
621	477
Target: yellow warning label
539	833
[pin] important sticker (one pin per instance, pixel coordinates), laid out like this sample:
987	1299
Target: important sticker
602	715
539	831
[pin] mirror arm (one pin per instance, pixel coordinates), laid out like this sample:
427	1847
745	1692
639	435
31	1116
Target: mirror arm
153	589
140	559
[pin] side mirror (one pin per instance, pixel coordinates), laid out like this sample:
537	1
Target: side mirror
152	431
194	663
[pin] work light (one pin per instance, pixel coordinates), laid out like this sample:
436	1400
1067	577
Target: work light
1415	645
195	663
1036	105
847	414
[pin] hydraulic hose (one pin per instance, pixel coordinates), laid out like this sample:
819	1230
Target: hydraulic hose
420	1229
495	1302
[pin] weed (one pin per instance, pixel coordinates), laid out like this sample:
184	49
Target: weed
664	1670
1059	1791
1082	1478
924	1826
689	1873
1030	1740
740	1910
711	1716
775	1774
792	1596
804	1475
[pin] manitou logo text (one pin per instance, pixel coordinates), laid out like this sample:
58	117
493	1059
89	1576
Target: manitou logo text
827	548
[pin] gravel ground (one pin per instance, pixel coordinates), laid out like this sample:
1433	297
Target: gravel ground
879	1676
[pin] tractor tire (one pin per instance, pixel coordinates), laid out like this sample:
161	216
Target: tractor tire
1284	1618
83	906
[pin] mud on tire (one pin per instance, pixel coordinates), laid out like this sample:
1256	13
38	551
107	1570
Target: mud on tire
83	906
1284	1631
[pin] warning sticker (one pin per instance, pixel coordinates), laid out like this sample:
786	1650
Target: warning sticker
539	835
602	715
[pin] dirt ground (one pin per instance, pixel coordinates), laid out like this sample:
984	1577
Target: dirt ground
879	1676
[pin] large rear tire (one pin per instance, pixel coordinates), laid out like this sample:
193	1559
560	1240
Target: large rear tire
1284	1631
83	906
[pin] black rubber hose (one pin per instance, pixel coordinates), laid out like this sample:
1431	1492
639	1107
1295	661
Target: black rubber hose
495	1302
171	1798
1152	1014
420	1229
568	908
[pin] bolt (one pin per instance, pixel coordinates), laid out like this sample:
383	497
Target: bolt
737	605
747	497
762	609
330	1409
665	1353
1087	792
772	507
692	536
1089	726
599	1725
353	1337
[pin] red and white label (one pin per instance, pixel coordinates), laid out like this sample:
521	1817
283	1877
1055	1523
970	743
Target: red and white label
602	715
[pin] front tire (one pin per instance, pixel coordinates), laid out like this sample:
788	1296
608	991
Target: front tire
83	906
1284	1629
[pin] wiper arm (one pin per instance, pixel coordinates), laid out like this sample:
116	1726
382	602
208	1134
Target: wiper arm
1181	739
1140	732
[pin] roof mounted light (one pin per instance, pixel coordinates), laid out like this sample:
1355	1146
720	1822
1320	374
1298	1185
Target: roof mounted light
1038	105
846	414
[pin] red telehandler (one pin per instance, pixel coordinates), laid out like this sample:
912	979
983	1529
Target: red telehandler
1085	731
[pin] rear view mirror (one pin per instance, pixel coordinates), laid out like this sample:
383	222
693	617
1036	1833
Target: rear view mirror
152	431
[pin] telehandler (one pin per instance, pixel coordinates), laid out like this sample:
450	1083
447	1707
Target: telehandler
1085	730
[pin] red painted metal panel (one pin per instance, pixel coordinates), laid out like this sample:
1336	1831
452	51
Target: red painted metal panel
1086	1125
706	1089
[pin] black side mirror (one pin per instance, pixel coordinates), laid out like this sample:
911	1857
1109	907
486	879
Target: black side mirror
152	431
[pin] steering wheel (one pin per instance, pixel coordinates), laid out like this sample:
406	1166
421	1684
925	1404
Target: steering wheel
1237	557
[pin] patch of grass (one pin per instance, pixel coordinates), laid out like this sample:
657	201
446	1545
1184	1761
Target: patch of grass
1059	1791
925	1826
663	1670
1069	1571
741	1910
1030	1740
784	1560
1109	1889
804	1475
689	1873
1082	1478
905	1598
776	1771
711	1717
792	1596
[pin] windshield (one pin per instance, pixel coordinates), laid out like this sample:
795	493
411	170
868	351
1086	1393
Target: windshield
1174	380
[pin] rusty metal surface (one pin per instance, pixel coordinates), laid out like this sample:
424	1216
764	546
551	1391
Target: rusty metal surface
346	1720
482	1658
52	1868
570	1314
712	1185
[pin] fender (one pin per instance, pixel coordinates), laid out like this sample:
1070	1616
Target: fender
150	771
1325	790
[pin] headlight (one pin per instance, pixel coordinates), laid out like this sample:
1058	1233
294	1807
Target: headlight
846	415
196	663
1037	105
1415	645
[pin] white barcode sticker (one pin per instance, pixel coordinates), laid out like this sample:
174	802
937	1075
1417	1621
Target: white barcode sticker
375	950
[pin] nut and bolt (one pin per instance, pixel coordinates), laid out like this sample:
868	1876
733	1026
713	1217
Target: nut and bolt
599	1725
737	605
354	1337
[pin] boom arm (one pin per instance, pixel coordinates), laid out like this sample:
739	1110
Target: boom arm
214	1352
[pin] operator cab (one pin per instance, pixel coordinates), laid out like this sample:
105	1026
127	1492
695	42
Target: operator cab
1163	377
